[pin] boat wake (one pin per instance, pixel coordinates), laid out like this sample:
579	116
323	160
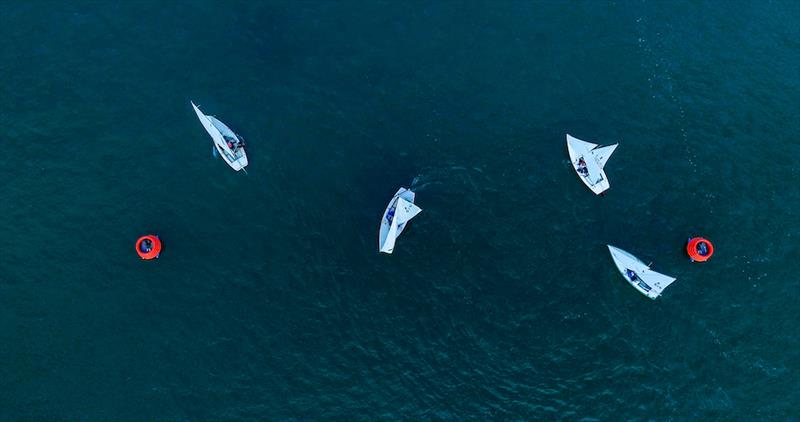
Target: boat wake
420	183
661	82
454	174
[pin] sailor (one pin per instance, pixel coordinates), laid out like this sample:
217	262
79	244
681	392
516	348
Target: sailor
146	245
582	167
632	275
702	248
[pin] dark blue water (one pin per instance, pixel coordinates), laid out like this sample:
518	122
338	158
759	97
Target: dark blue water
500	302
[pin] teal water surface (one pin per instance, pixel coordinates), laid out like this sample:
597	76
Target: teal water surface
500	302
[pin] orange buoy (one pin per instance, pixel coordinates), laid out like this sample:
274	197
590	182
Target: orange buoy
699	249
148	246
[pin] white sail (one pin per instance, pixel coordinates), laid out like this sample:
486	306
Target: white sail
222	135
588	162
657	280
224	130
638	274
390	238
582	145
602	154
398	212
209	127
405	211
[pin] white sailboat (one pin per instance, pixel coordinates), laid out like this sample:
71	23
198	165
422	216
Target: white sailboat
229	145
639	274
400	210
588	161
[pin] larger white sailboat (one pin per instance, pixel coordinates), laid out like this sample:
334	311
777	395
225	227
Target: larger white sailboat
400	210
229	145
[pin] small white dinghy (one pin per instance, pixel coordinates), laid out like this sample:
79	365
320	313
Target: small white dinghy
639	275
229	145
588	161
400	210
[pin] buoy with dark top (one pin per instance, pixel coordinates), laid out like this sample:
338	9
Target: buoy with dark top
148	246
699	249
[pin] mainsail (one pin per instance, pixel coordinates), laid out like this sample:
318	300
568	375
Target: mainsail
222	128
405	211
602	154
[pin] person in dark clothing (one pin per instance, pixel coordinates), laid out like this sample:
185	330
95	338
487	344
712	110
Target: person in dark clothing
582	167
702	248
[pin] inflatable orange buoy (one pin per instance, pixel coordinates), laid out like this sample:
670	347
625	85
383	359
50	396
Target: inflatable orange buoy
699	249
148	247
